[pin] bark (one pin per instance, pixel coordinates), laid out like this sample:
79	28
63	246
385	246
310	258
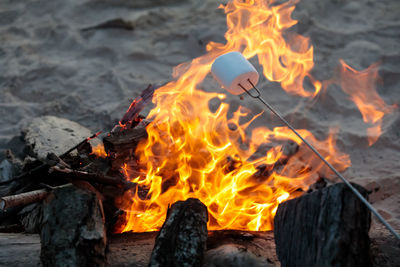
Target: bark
25	198
328	227
182	238
73	231
22	199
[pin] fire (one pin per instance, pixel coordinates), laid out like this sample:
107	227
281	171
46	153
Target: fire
99	151
216	156
361	86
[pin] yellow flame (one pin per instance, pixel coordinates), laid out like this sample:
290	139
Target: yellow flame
192	151
361	86
99	151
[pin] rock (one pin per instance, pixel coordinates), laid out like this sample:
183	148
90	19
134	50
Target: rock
73	231
52	134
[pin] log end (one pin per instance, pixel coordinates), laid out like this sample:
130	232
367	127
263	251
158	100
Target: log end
328	227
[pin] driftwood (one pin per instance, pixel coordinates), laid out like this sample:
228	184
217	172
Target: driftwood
182	238
328	227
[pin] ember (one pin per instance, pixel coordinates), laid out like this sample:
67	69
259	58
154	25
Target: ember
99	151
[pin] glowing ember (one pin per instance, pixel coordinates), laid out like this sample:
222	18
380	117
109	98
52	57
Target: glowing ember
192	151
99	151
361	86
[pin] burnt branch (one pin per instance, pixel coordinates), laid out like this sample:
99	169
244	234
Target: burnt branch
71	175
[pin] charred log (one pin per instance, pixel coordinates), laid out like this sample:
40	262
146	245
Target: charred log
182	238
73	232
328	227
126	140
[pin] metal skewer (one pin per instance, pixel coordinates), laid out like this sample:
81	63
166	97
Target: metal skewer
355	191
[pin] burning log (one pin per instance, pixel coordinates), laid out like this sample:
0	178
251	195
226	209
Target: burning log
73	231
125	140
328	227
182	238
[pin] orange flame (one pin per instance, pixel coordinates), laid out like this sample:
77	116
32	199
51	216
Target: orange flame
99	151
361	86
215	156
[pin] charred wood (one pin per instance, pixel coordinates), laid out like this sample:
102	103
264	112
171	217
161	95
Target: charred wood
133	113
328	227
73	231
72	175
31	218
126	140
51	160
112	24
182	238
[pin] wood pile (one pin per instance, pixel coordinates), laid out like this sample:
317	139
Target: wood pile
69	199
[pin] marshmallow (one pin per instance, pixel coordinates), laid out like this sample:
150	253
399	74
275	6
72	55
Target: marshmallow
233	68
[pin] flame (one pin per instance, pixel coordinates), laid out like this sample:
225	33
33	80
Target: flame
99	151
217	156
361	86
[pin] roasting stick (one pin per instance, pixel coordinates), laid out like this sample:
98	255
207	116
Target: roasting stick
232	78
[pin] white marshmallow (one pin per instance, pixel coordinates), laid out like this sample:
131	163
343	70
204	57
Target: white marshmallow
233	68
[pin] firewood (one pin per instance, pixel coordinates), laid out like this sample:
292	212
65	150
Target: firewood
70	175
45	165
328	227
73	231
126	140
182	238
24	198
133	112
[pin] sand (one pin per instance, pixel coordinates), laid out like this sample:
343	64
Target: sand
54	61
